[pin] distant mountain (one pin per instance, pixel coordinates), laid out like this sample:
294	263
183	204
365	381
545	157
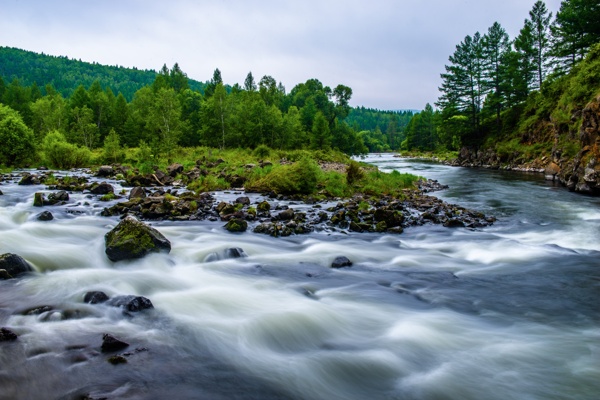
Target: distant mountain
66	74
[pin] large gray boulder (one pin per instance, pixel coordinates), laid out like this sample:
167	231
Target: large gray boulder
133	239
14	266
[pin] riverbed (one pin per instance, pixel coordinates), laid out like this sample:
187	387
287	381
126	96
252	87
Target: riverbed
510	311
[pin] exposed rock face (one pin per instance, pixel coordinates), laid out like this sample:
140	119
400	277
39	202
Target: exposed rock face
133	239
14	265
582	173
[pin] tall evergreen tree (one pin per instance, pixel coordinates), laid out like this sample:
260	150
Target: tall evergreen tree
574	31
495	48
463	84
540	23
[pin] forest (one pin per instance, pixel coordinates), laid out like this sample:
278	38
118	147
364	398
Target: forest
48	98
497	90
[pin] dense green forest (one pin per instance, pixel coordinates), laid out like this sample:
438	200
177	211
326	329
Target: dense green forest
497	92
65	75
380	130
90	106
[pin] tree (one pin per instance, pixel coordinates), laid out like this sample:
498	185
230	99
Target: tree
320	138
212	85
495	48
574	31
16	138
249	84
540	24
521	65
164	120
49	113
112	147
215	118
293	135
178	80
463	84
83	129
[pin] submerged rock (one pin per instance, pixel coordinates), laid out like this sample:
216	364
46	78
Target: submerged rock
111	343
131	303
132	239
6	335
95	297
45	216
14	265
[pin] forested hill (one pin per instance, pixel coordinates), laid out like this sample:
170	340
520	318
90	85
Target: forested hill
66	74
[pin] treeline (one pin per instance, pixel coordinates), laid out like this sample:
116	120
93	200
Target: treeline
65	75
168	113
380	130
493	85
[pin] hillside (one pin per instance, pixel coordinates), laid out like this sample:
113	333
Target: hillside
66	74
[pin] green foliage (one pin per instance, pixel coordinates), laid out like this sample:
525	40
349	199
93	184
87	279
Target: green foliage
300	177
208	183
16	138
380	183
112	149
354	173
61	154
262	152
66	74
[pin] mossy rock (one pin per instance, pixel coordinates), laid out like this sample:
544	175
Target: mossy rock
236	225
132	239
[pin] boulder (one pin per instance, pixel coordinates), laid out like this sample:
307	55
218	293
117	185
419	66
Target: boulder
102	188
14	265
137	193
133	239
57	197
6	335
236	225
235	252
174	169
105	171
111	343
29	179
45	216
95	297
38	199
130	303
341	262
245	200
286	215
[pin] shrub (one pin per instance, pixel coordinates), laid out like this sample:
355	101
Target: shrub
262	151
354	172
300	177
64	155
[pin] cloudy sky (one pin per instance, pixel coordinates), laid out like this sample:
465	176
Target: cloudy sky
390	52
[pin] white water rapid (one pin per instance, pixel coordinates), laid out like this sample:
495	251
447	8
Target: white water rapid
511	311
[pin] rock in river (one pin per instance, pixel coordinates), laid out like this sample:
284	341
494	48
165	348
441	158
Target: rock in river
14	265
133	239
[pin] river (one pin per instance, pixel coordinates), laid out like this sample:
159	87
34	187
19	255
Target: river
510	311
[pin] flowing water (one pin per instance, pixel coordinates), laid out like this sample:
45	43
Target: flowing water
511	311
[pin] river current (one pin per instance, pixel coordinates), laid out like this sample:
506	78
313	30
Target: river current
510	311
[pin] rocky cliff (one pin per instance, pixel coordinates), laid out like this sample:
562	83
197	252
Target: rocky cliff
580	173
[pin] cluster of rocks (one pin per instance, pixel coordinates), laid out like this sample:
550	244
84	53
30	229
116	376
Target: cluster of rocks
359	214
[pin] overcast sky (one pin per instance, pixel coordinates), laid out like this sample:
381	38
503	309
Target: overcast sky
390	52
